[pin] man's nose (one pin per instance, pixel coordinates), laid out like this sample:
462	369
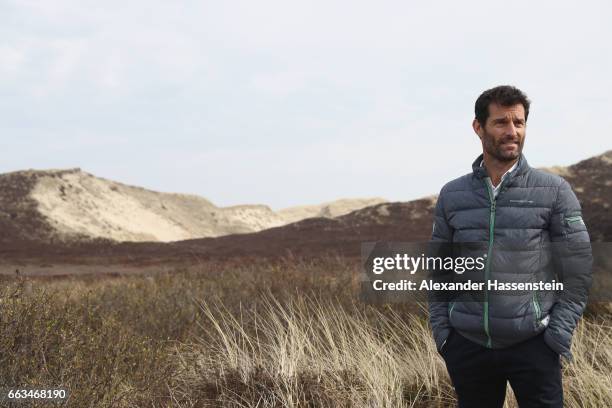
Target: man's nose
511	130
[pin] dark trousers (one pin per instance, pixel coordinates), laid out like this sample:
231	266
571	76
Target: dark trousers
479	374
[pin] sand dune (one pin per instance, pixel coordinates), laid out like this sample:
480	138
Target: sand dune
58	205
74	203
329	209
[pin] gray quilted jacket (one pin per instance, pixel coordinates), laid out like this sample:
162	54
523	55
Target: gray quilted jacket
539	214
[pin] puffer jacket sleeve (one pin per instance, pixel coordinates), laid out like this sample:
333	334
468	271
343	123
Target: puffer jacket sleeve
439	245
573	259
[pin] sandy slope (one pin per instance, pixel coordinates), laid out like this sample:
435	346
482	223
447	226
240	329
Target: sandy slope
329	209
75	203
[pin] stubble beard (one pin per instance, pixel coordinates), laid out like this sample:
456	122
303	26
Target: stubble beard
495	149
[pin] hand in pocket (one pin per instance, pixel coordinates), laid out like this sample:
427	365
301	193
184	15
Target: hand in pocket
446	343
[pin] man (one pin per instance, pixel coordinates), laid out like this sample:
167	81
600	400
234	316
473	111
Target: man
490	338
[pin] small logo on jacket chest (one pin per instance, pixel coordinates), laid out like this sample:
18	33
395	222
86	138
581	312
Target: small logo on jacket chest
521	202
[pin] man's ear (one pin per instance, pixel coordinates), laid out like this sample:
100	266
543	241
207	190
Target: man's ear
477	128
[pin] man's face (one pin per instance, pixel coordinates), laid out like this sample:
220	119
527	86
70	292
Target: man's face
503	135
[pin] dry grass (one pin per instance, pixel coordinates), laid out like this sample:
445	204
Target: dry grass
310	352
288	334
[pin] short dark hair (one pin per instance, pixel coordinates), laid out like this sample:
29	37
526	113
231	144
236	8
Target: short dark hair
505	95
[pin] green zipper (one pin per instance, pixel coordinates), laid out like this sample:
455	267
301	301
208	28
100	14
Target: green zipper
488	263
536	306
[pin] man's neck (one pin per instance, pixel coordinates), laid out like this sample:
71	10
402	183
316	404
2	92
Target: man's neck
496	168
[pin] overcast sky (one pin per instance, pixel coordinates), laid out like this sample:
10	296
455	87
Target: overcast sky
287	103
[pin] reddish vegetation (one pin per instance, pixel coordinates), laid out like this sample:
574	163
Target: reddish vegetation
593	179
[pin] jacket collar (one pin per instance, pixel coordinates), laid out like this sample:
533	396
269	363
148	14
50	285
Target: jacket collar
480	172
